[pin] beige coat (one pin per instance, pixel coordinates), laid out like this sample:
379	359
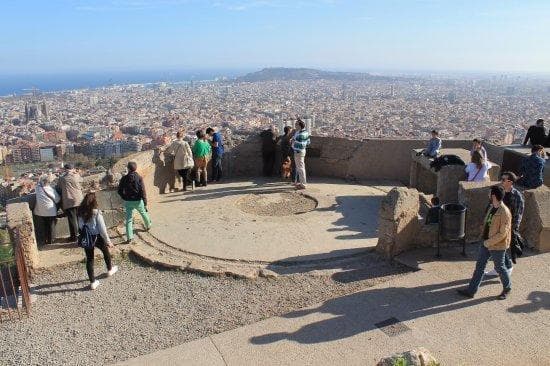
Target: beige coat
181	152
71	189
500	231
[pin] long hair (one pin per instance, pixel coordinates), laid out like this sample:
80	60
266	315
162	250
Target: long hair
477	159
87	207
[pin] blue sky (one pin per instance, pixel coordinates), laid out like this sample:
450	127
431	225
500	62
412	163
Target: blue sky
432	35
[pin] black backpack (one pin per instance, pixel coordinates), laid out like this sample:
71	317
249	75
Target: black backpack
443	160
86	239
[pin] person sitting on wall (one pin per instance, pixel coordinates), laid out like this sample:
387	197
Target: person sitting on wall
477	169
532	169
477	145
536	134
497	229
433	147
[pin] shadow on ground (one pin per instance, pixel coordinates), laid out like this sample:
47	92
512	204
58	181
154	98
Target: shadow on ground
359	312
538	300
359	214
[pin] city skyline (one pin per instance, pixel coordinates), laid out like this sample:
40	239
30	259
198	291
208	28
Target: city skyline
422	35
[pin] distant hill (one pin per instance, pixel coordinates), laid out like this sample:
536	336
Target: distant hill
283	73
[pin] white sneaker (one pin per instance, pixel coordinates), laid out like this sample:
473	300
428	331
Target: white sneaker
114	269
94	284
491	273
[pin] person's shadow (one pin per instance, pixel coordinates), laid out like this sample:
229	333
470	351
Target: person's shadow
360	312
539	300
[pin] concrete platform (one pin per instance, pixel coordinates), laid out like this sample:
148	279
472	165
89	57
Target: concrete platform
344	331
209	222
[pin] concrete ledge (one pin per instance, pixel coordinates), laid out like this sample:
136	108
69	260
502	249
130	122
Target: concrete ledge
22	233
535	226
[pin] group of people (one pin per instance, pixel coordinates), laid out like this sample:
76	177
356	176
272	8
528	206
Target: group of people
208	147
501	240
81	210
294	143
477	170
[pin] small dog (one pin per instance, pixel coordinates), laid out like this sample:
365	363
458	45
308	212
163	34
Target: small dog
286	168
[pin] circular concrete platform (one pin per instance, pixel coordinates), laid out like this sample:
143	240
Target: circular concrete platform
335	219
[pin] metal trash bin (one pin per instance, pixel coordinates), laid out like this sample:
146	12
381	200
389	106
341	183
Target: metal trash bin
452	225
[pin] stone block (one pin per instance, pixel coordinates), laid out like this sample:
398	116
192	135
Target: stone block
448	180
21	230
475	197
398	223
108	200
415	357
535	225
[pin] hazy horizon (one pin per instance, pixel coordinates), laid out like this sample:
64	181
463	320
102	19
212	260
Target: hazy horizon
80	36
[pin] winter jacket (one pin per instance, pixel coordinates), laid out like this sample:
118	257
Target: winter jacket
71	189
46	201
500	229
181	151
132	188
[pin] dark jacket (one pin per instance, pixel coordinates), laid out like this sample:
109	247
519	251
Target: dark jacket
537	135
131	188
269	141
532	171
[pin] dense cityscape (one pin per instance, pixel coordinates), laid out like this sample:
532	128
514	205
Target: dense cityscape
113	121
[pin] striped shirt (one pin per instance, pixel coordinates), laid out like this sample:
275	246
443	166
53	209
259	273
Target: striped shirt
301	141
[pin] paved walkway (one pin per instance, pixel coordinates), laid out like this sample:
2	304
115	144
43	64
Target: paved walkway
344	331
209	221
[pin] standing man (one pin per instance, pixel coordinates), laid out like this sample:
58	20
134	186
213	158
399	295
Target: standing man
300	141
532	169
513	199
132	190
496	239
70	184
536	133
269	147
217	153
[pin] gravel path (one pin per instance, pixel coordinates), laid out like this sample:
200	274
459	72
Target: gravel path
142	309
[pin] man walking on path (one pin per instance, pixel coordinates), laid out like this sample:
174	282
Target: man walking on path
132	190
300	141
217	153
70	184
536	134
513	199
496	239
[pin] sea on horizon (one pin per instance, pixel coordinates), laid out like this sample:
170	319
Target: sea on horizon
23	83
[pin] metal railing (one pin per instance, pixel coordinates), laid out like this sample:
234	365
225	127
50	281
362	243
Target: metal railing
15	296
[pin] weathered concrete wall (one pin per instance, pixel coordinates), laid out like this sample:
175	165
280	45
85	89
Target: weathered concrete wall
475	196
535	226
398	221
21	229
375	159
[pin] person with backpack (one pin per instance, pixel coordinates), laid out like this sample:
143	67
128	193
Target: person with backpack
132	191
45	209
93	234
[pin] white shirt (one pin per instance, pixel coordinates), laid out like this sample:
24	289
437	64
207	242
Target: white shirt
476	174
45	206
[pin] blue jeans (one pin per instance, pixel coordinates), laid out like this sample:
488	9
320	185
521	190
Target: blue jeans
216	167
482	259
